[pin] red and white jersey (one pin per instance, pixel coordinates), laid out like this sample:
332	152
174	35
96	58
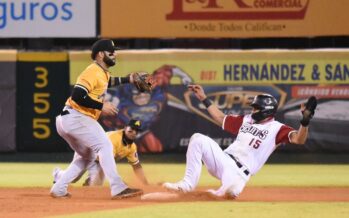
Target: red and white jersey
255	141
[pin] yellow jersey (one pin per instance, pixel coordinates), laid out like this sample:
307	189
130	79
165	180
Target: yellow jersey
120	150
95	80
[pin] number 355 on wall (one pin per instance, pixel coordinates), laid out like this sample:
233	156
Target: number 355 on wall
41	100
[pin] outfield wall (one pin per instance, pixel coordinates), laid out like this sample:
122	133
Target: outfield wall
8	100
231	79
42	89
170	114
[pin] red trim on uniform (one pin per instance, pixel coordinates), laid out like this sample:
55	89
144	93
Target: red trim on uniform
282	136
232	123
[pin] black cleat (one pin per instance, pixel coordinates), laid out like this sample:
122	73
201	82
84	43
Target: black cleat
128	193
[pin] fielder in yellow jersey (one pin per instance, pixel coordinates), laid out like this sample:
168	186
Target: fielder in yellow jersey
123	147
94	81
78	125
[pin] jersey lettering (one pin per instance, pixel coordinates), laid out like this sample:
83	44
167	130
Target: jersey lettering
255	143
247	128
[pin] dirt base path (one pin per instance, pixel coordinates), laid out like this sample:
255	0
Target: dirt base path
36	202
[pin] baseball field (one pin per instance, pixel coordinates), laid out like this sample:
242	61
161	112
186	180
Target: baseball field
278	190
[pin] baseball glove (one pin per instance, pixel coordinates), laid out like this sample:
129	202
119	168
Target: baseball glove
309	111
143	81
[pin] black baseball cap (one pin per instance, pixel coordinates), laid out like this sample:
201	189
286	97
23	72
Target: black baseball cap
103	45
135	124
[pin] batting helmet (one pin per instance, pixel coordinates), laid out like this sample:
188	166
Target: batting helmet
266	104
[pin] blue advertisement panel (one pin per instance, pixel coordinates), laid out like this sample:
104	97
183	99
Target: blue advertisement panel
47	18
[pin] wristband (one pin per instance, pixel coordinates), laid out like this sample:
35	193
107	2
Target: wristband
207	102
115	81
124	80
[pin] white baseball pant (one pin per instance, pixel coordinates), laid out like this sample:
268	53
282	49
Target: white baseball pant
95	175
88	139
218	163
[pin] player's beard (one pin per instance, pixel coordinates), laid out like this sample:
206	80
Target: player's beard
108	61
258	116
125	139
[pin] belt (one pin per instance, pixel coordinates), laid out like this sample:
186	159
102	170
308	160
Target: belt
239	165
64	112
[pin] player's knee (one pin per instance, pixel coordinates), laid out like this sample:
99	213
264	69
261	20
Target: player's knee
196	137
97	183
93	182
197	141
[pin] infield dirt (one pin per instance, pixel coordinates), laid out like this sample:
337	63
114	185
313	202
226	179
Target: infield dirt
36	202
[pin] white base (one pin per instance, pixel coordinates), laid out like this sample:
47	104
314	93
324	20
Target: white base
159	196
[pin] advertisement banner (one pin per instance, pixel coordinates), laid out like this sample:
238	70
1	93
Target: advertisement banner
45	18
171	114
42	89
223	18
8	100
235	67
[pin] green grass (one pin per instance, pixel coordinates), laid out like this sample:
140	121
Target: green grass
39	174
302	175
228	209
